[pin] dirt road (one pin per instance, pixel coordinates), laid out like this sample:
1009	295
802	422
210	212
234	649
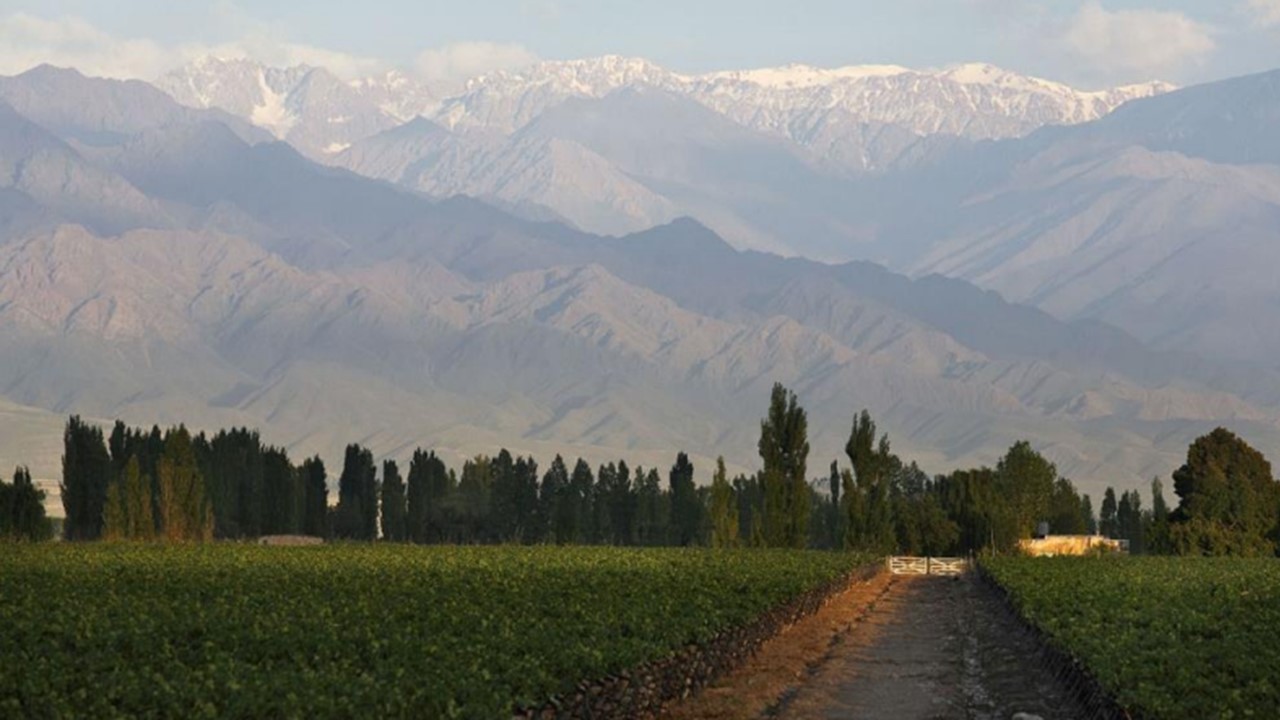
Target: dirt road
932	648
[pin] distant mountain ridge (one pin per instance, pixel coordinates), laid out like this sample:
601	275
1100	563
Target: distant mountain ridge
761	156
974	101
203	272
318	113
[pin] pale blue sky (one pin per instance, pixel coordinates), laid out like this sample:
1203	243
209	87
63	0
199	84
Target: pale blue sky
1086	42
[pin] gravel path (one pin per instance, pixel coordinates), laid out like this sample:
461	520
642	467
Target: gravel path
934	648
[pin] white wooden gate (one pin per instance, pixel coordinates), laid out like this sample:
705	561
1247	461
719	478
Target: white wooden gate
908	565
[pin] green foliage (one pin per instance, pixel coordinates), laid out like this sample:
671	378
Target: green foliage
686	508
1066	513
1026	481
138	502
1156	523
724	510
784	449
429	486
868	492
1229	500
1086	512
22	515
653	509
128	513
356	516
1167	637
86	470
394	525
1108	522
232	630
923	527
555	504
282	494
1229	503
115	520
514	498
1129	521
582	491
235	474
185	511
973	500
315	502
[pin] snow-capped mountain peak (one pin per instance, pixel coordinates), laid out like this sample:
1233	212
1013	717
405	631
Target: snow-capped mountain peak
974	100
309	107
803	76
830	110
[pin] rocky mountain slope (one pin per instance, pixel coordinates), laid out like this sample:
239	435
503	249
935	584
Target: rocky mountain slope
1161	218
253	286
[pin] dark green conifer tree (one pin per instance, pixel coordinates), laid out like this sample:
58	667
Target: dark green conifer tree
1107	521
86	470
555	504
356	517
583	484
394	510
686	511
315	503
22	515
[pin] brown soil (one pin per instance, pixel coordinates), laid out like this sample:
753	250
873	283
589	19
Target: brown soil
785	661
932	648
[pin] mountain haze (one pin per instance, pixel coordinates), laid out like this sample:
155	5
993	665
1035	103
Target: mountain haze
193	268
714	144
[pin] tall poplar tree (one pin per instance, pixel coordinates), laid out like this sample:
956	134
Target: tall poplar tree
86	470
394	510
356	517
784	449
555	504
476	491
115	520
185	511
868	497
583	484
280	490
1107	522
724	509
138	503
686	511
315	503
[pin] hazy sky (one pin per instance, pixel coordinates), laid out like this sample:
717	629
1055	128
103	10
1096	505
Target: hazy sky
1084	42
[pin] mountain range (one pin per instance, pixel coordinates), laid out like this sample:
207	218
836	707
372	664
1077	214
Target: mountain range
161	262
1025	186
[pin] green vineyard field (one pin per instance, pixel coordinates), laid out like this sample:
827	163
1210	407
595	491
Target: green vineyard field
1166	637
359	631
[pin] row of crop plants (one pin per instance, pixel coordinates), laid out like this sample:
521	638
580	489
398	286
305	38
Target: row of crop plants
364	631
1163	637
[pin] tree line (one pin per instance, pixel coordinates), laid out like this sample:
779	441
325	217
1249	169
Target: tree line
139	485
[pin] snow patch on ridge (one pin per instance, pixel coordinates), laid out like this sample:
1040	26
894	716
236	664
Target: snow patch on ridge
804	76
271	112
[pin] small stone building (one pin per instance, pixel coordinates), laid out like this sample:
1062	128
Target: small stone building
1052	545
